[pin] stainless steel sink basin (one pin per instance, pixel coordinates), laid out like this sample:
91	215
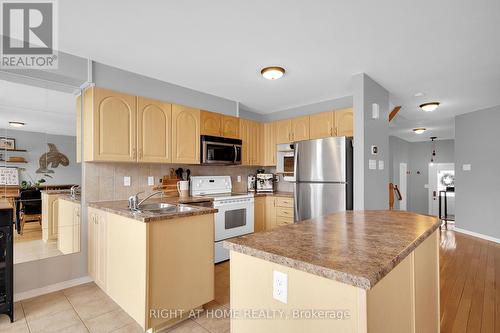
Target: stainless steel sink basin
165	208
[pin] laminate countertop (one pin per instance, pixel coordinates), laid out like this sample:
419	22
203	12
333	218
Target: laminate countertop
121	208
354	247
275	194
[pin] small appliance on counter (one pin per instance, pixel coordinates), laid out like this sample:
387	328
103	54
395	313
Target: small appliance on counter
265	182
251	183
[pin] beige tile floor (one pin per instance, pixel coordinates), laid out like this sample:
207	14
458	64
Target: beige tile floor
86	308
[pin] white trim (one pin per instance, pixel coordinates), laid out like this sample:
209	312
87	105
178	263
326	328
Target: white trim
478	235
51	288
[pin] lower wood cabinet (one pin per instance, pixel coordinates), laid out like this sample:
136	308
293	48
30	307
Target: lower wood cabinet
271	212
97	246
68	227
50	214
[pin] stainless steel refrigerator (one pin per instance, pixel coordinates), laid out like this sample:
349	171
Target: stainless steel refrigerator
323	177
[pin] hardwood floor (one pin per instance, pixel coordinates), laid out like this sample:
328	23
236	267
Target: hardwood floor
470	284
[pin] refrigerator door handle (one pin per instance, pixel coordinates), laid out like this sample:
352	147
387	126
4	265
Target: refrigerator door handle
295	161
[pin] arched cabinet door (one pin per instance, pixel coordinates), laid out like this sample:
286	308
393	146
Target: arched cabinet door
300	128
344	122
154	131
185	135
114	126
210	123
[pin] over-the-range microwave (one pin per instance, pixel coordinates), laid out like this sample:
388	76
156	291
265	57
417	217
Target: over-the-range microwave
220	151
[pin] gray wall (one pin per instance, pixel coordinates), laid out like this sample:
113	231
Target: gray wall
478	191
36	145
417	156
117	79
370	186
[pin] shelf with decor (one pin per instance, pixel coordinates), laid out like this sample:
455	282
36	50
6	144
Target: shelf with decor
13	162
16	150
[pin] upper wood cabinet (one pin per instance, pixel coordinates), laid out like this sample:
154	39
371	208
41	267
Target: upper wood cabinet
185	135
230	127
268	155
283	129
322	125
344	122
210	123
110	126
154	131
251	137
300	128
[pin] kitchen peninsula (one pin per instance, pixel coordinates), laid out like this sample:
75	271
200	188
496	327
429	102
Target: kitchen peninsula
156	259
379	269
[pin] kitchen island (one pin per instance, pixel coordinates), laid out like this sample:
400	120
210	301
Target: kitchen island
355	271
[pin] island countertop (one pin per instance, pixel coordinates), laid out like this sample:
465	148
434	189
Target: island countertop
354	247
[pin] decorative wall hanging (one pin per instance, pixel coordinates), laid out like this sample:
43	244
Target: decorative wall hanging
52	159
7	143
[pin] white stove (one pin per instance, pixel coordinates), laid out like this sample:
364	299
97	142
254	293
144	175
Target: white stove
235	215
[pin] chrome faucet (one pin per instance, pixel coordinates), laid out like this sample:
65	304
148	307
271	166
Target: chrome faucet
133	201
73	191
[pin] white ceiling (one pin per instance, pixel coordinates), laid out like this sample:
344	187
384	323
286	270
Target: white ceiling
43	110
448	49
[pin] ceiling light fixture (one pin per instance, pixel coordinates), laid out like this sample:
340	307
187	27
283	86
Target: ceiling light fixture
272	73
419	130
16	124
429	107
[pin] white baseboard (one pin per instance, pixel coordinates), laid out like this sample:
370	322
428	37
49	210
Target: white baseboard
478	235
51	288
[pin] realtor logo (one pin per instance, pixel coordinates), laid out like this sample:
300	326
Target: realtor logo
29	37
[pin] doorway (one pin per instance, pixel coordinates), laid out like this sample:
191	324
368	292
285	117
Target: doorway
441	176
403	172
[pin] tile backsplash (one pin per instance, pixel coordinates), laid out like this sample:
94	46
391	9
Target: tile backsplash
104	181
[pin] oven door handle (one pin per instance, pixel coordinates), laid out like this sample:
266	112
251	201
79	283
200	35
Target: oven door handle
235	153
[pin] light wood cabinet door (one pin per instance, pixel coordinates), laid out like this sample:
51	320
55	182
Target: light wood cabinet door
300	128
255	142
270	213
97	246
245	139
114	126
344	122
210	123
269	145
260	214
283	130
185	135
230	127
322	125
154	131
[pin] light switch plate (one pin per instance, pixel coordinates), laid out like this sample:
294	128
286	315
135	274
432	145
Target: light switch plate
466	167
126	181
375	111
372	164
151	181
381	165
280	286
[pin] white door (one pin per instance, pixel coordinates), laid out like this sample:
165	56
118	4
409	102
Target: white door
441	175
403	185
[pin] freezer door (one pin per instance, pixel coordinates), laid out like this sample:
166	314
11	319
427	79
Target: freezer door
318	199
322	160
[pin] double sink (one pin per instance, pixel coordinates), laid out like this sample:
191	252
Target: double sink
166	208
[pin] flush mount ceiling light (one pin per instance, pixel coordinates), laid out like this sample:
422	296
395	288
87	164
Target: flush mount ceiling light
272	73
428	107
419	130
16	124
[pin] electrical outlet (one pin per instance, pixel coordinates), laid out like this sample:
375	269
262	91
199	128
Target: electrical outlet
280	286
238	179
126	181
151	181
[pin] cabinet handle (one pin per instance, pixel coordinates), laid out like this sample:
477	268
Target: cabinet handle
134	153
140	152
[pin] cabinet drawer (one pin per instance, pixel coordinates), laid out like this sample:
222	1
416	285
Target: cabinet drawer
281	221
284	212
283	202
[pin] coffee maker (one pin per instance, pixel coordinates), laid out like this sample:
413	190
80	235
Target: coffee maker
265	182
